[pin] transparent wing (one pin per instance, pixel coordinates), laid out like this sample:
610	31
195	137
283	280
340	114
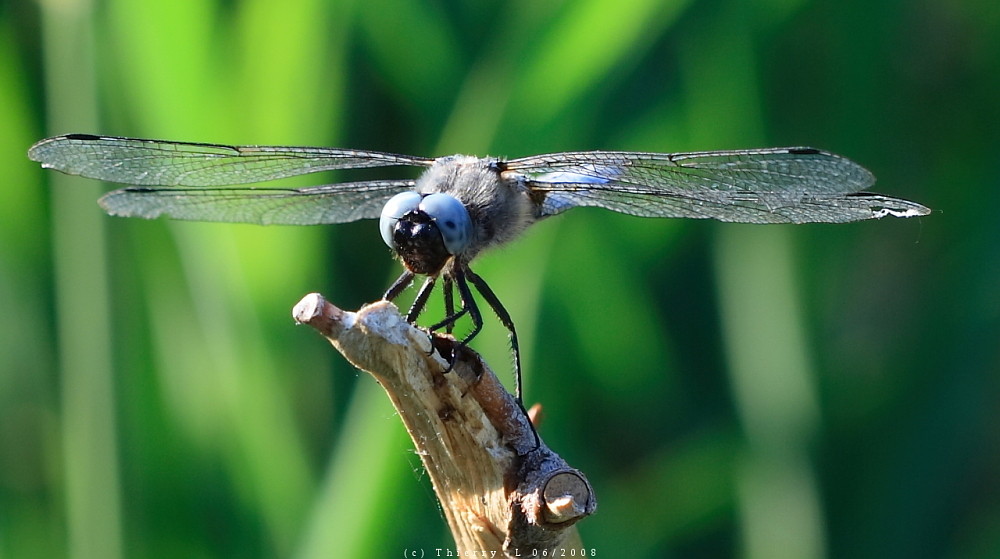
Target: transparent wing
165	163
335	203
775	185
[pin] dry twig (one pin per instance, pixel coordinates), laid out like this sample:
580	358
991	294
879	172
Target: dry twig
500	487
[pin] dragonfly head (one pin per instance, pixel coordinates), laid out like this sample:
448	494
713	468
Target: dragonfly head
425	230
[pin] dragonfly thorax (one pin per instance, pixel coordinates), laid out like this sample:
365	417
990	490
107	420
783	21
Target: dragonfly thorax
498	202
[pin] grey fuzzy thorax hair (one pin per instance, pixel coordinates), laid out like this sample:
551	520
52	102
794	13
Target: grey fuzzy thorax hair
498	202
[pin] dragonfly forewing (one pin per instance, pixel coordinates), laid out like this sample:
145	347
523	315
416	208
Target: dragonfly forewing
166	163
774	185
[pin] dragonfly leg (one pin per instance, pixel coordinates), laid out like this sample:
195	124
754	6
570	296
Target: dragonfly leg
421	299
504	316
457	279
399	285
449	302
468	307
506	320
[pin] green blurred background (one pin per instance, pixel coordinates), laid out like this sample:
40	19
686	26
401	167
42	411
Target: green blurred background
730	390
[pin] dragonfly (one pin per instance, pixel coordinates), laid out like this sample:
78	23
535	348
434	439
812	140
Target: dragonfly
460	205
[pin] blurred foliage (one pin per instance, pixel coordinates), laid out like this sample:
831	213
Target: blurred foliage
730	390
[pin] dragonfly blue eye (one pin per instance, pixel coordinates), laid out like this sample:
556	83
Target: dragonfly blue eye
395	208
451	218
